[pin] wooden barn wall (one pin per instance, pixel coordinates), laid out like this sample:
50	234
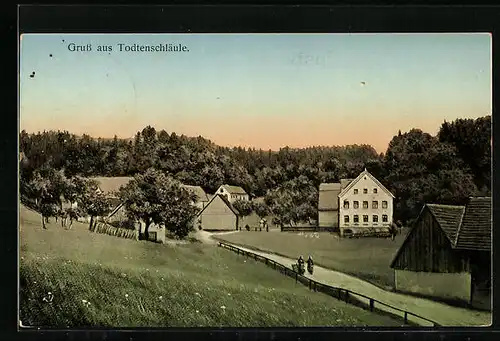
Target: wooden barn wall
428	249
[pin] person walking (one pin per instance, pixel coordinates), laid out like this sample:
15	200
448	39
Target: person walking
300	263
310	264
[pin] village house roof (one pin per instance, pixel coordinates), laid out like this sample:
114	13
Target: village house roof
344	183
328	196
448	218
109	185
234	189
224	199
359	177
467	227
198	191
475	231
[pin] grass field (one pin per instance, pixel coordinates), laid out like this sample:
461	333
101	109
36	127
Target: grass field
366	258
100	280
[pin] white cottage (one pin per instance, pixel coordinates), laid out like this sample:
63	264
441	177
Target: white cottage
233	193
365	203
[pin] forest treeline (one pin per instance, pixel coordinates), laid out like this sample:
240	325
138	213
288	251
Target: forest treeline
417	167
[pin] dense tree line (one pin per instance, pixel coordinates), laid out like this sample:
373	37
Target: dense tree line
417	167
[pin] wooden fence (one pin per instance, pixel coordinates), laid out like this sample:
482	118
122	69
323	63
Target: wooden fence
341	294
308	229
116	231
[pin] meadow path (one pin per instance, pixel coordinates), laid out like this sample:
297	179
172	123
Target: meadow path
443	314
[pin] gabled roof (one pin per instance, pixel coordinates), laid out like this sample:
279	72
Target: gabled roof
198	191
449	218
234	189
475	232
359	177
329	196
466	227
344	183
224	199
111	184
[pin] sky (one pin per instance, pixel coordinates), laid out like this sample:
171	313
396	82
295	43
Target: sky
256	90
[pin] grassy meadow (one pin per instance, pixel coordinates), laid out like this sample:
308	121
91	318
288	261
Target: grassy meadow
75	278
365	258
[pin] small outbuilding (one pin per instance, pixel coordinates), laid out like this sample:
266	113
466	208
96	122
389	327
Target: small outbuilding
447	254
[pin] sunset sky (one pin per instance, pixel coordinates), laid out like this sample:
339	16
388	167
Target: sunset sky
264	91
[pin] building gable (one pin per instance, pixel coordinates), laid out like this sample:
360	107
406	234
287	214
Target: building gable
217	198
424	246
359	178
449	218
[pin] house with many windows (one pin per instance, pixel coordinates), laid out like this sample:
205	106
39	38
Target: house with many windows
365	203
232	193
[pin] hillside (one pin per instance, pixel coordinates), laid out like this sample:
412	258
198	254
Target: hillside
74	278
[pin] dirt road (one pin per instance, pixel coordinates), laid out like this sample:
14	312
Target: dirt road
443	314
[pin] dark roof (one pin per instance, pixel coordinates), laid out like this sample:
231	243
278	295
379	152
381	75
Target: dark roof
109	185
448	218
224	199
344	183
234	189
329	196
198	191
475	230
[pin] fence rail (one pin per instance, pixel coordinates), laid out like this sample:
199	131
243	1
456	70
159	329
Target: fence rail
341	294
308	229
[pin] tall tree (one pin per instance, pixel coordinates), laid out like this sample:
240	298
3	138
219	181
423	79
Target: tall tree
153	197
472	139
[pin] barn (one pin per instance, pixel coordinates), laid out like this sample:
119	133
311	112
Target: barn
447	254
218	215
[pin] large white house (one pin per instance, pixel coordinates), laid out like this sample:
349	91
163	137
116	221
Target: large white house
365	203
233	193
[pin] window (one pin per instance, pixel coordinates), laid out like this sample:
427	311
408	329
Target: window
346	219
222	190
346	204
374	191
356	218
375	218
384	218
365	218
365	191
375	204
356	204
355	191
365	204
384	204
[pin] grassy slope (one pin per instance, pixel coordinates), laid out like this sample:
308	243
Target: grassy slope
133	284
366	258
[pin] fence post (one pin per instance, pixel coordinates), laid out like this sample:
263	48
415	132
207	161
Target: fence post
309	284
371	304
296	277
347	296
406	317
